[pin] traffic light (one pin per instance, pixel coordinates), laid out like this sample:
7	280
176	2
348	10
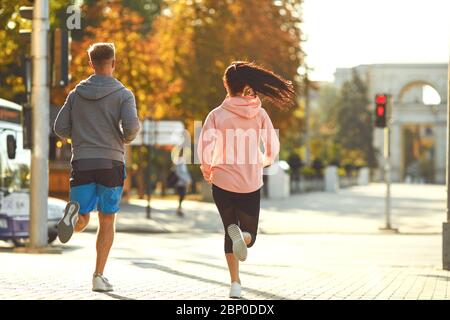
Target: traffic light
60	57
381	101
59	54
26	12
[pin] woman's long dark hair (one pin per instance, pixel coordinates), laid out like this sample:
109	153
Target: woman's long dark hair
242	74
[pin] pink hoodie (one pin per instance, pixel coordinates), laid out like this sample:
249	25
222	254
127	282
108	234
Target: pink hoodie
229	145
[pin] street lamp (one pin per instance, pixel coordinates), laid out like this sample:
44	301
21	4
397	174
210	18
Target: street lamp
39	14
446	225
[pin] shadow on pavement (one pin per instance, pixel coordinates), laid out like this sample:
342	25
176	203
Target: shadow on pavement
72	247
346	203
223	268
5	247
133	219
439	277
150	265
116	296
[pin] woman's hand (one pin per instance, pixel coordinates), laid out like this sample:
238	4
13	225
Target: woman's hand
267	162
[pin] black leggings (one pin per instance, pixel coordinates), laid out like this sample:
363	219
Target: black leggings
238	208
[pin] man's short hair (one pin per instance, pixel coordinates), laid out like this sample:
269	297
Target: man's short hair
100	52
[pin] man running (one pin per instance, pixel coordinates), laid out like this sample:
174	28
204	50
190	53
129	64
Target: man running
99	116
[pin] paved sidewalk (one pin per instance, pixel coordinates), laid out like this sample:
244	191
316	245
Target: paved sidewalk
180	266
311	246
416	209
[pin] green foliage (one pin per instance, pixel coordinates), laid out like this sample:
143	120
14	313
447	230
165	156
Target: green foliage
342	172
341	127
354	120
14	47
308	172
323	125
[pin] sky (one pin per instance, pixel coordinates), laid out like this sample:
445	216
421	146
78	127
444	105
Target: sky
345	33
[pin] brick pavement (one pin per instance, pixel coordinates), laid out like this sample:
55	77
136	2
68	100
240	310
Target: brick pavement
358	210
179	266
311	246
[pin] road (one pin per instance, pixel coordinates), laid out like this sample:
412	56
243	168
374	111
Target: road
311	246
180	266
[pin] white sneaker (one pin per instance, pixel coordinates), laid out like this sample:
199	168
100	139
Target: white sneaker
68	221
100	283
235	290
239	246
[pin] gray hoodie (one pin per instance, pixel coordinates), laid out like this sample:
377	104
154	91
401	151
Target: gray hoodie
99	115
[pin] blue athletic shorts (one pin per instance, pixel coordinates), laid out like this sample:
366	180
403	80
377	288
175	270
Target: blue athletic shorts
99	188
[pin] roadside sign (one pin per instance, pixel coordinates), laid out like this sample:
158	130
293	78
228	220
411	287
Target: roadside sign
163	133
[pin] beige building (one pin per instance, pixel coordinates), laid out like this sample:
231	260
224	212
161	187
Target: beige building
419	116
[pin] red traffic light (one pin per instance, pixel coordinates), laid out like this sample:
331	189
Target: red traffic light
380	111
381	99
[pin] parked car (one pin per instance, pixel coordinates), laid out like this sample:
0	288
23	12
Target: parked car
15	180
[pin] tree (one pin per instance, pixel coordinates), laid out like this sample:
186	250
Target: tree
354	121
14	46
203	37
323	124
138	67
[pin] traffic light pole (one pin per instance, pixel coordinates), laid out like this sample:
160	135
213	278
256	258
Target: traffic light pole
307	120
146	141
40	120
148	209
446	225
387	170
151	148
387	178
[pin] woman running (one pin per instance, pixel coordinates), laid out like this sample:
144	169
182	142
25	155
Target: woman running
231	158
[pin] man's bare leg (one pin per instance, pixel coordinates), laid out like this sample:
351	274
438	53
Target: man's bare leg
105	238
82	222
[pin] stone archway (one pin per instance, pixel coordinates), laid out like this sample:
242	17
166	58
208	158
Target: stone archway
419	133
398	80
417	84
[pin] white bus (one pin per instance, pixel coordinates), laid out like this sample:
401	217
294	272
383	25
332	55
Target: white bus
15	180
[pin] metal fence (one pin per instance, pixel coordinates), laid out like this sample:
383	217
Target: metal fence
307	185
348	181
318	184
